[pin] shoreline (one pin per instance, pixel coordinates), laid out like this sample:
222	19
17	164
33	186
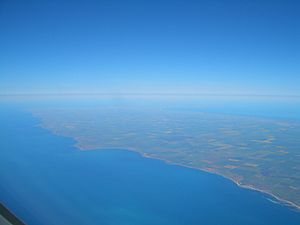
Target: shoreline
279	200
239	184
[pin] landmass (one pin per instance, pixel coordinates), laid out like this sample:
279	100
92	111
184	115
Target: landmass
257	153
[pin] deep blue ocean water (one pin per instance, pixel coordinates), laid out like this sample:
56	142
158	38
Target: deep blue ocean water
45	180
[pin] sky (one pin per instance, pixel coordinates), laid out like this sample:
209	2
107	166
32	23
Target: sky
238	47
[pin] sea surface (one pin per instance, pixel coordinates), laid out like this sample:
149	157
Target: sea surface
45	180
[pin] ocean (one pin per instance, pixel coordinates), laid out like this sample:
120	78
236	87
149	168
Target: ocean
45	180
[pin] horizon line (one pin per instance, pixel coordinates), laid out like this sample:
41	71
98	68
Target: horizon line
146	94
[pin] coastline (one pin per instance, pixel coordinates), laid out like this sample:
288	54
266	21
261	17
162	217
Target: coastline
281	201
291	205
239	184
77	144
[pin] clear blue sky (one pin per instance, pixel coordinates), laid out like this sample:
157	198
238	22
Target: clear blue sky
165	46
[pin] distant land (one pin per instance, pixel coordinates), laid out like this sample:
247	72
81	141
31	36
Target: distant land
256	153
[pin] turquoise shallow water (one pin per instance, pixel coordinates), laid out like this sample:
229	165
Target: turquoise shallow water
45	180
